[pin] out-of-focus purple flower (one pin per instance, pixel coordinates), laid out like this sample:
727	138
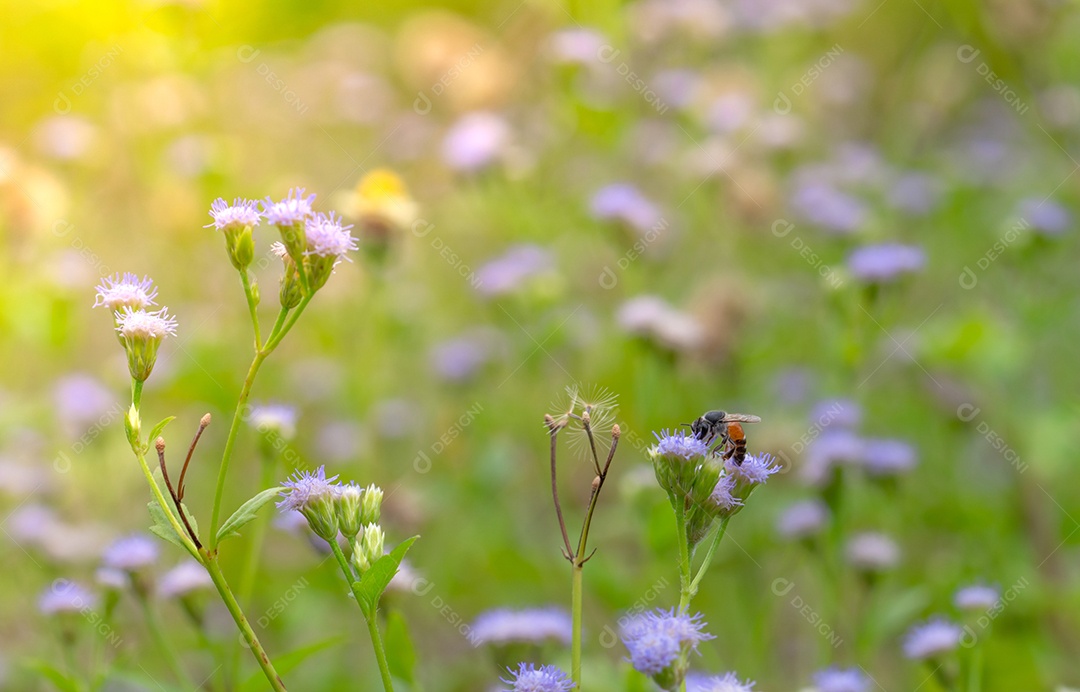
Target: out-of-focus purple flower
508	271
30	523
475	141
915	194
340	440
872	552
843	413
653	318
131	553
825	206
977	597
931	638
1045	216
728	682
887	457
833	449
65	137
294	209
458	359
885	262
394	418
186	577
274	418
81	401
730	112
656	638
115	293
792	385
529	678
65	596
624	202
504	626
802	519
678	88
112	578
841	680
578	45
240	214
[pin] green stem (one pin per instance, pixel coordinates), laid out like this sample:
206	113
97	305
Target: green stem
719	536
251	559
372	622
684	557
575	609
212	567
162	642
246	281
975	670
285	322
230	442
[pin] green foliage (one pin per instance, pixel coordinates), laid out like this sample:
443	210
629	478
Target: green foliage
369	589
246	513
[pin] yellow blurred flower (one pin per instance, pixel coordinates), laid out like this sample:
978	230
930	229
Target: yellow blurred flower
381	204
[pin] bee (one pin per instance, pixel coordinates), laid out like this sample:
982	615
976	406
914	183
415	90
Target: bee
724	430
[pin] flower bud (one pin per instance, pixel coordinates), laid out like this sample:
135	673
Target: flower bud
133	425
371	505
141	333
347	504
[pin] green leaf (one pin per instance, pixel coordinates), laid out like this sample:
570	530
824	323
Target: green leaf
288	662
246	513
61	680
371	586
399	648
163	528
155	433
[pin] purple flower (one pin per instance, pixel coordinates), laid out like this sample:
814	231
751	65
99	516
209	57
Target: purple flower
294	209
131	553
65	596
1045	216
624	202
458	359
802	519
274	418
578	45
843	413
305	488
529	678
678	445
832	449
914	194
140	325
730	111
835	679
676	87
327	237
475	141
507	272
115	293
755	469
932	638
823	205
885	262
652	317
872	552
186	577
976	597
112	578
728	682
887	457
81	400
656	638
240	214
503	626
723	496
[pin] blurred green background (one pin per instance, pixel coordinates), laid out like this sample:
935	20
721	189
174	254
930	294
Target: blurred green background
759	144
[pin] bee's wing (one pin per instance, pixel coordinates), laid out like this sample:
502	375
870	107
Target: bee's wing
741	418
